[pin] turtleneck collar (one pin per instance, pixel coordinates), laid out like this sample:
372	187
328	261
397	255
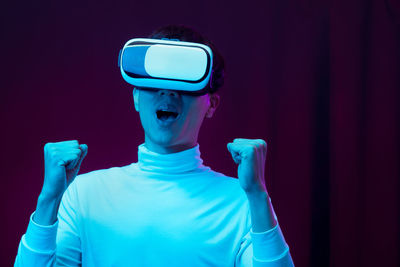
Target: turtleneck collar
174	163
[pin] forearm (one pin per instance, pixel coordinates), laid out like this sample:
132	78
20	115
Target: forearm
269	245
46	210
262	214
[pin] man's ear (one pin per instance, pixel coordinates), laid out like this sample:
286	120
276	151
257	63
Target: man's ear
136	98
214	102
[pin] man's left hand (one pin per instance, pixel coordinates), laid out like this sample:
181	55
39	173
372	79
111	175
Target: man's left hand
250	154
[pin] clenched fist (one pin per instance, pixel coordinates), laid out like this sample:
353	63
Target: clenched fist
62	161
250	155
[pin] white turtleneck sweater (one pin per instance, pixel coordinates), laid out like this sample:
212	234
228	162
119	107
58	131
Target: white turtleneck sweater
164	210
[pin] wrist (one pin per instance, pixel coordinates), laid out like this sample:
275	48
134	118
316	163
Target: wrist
257	195
48	196
46	200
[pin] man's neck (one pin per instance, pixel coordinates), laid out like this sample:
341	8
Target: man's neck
167	149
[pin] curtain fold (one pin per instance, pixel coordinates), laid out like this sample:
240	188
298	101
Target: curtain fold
364	126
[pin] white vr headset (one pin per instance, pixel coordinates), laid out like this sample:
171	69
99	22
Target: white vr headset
167	64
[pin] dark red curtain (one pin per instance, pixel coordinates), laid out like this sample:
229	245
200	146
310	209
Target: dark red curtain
364	133
318	80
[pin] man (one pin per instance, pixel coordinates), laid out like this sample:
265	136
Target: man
166	209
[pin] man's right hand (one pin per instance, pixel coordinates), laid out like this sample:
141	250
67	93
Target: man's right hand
62	161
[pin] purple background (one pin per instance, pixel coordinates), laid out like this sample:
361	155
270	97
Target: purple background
320	83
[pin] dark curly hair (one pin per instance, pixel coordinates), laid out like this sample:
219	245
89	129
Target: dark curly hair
187	34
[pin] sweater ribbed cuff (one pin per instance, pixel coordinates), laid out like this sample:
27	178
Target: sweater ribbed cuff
41	238
269	245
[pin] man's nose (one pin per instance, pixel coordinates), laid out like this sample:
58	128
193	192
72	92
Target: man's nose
164	92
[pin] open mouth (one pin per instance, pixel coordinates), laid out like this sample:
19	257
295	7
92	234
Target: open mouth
165	115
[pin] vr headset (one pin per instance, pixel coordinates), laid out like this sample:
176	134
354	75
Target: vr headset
155	64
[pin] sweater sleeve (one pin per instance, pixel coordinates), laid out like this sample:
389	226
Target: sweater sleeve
54	245
266	249
37	246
